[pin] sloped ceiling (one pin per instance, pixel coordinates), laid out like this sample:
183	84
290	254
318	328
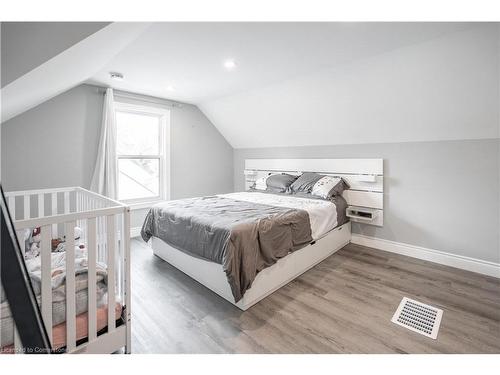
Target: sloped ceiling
67	69
294	83
443	89
189	56
26	45
321	83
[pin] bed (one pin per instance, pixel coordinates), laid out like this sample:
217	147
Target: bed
245	245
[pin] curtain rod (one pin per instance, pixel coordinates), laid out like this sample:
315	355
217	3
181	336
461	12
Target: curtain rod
142	98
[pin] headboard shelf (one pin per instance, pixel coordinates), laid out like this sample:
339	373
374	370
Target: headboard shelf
343	166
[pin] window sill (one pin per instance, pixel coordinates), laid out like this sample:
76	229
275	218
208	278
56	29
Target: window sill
143	205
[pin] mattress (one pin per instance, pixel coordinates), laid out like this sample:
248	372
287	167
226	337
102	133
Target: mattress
323	216
82	328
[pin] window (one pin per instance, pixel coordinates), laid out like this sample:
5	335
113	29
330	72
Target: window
142	147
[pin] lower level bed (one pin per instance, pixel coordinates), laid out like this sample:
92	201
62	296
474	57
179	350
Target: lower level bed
267	281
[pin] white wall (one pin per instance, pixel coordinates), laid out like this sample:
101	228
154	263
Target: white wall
444	89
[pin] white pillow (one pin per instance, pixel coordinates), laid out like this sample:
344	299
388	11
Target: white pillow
260	183
324	186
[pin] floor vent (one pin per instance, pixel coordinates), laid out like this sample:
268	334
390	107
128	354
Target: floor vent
418	317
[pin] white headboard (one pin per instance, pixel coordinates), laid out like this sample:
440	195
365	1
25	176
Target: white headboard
365	177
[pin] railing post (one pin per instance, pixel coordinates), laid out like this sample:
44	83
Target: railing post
46	265
69	230
110	245
92	295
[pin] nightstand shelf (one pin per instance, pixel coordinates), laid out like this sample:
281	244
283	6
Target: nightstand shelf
365	215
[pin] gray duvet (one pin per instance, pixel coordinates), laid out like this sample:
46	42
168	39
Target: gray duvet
244	237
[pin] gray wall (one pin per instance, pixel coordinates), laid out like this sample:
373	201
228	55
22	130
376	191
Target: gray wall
55	144
441	192
440	195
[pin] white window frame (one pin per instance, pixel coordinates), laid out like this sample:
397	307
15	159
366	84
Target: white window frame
163	157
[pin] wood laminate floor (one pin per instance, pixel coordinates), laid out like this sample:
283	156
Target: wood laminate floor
343	305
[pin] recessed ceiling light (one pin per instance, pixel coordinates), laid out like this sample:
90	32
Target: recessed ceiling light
229	64
170	88
116	76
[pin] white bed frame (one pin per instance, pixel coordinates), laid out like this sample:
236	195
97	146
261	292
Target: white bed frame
105	224
365	177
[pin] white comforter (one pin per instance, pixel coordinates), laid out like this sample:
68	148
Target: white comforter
322	214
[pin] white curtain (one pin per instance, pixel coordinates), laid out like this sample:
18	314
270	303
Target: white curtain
104	177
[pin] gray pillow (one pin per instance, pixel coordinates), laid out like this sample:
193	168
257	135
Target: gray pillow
280	182
305	182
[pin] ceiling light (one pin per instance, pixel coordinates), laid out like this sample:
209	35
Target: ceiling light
170	88
229	64
116	76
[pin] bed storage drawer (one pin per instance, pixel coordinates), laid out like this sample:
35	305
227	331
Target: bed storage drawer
212	276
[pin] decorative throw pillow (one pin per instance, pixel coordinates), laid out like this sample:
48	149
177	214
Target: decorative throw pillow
328	186
305	182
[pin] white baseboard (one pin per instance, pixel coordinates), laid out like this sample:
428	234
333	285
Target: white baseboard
135	232
447	259
458	261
